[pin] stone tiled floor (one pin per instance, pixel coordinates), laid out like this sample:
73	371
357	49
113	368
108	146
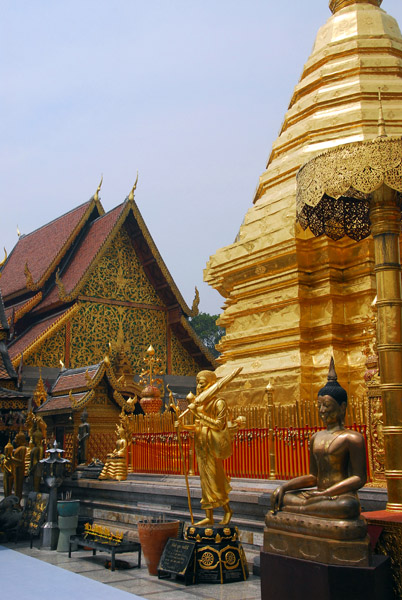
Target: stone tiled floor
138	581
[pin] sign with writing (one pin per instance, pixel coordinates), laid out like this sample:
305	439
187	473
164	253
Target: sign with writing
178	559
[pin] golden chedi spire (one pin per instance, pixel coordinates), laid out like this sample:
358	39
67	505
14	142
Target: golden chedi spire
292	301
336	5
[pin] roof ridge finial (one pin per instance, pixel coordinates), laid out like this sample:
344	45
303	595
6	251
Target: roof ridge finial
96	194
381	122
2	263
131	194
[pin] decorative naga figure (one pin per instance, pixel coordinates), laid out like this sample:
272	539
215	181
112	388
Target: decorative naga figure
337	464
116	465
213	443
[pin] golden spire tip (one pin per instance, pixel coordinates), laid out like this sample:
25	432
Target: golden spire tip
131	194
96	194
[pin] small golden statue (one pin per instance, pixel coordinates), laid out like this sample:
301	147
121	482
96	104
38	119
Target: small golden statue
116	465
19	463
6	466
213	443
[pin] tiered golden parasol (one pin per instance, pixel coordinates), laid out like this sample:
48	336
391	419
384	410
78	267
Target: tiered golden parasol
355	190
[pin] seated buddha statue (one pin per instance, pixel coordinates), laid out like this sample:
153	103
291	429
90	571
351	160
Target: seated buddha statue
337	464
116	466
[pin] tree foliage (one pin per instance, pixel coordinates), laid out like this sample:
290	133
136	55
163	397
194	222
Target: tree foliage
206	328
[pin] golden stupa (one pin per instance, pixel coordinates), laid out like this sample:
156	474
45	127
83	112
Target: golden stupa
293	300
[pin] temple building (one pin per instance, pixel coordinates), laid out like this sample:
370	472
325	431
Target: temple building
293	300
84	297
13	402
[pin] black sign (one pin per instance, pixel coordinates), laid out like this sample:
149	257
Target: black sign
178	559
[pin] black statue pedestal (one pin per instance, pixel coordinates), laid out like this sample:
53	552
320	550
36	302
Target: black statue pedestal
219	556
285	577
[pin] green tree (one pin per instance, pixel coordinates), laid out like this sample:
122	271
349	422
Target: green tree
206	328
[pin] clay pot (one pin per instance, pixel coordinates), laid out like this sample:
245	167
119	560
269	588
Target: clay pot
151	401
153	537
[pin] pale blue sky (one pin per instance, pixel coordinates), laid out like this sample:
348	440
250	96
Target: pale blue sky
191	93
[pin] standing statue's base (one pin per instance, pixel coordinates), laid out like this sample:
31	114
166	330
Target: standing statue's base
284	577
219	556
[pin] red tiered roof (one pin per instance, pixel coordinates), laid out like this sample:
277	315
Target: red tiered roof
85	255
41	248
60	403
68	380
35	332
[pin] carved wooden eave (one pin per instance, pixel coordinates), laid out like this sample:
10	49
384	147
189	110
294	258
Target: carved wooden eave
25	308
49	331
7	370
131	388
195	340
79	404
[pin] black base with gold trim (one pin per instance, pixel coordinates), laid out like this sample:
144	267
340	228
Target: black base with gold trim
219	556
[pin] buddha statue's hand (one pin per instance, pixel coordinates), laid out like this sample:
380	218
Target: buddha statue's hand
277	498
317	494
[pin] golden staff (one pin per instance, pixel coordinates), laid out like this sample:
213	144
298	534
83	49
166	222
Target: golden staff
183	462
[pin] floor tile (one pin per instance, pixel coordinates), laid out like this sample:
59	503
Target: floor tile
138	581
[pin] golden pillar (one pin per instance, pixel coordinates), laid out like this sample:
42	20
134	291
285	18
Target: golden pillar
385	217
356	190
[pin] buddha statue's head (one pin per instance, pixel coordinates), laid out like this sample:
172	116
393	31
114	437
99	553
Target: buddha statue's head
8	449
332	398
20	439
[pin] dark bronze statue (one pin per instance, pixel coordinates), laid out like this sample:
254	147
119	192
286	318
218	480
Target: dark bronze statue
35	456
337	464
82	437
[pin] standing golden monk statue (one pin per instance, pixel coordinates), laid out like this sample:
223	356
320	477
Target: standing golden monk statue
213	443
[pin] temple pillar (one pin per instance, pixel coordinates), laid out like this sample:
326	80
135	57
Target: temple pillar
385	217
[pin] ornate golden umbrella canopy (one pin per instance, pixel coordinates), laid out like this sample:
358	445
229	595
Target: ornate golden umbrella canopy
356	190
334	188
